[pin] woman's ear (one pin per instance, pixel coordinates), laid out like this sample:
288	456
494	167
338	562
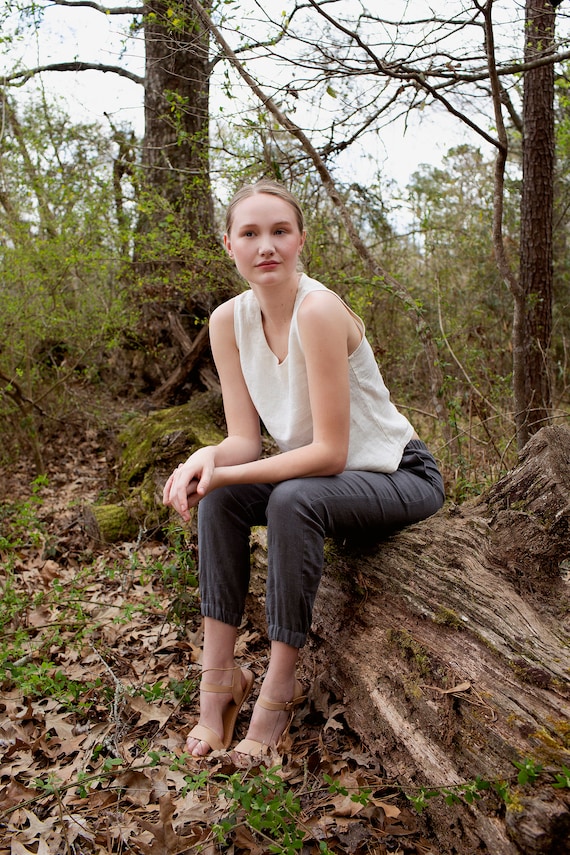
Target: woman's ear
228	246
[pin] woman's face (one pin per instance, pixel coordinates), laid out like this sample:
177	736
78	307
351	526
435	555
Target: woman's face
265	241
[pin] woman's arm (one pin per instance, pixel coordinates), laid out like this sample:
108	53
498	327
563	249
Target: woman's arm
243	441
326	328
192	479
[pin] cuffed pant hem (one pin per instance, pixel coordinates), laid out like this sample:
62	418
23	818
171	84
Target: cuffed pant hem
221	614
287	636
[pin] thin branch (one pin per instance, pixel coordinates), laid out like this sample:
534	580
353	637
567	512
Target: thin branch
14	391
415	77
118	10
449	68
514	69
46	215
472	385
23	76
516	118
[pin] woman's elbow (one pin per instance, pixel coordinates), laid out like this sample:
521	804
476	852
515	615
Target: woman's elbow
256	451
328	457
337	462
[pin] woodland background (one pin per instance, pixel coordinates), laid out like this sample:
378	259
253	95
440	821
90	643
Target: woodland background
111	261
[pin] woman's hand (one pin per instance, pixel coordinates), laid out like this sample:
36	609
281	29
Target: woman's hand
190	482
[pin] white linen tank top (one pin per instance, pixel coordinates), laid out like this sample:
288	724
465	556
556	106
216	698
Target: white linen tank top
280	393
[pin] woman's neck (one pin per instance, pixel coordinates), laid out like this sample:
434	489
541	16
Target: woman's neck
277	302
277	307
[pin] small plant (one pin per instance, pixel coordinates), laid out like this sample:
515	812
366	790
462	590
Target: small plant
193	782
420	799
13	601
21	519
362	796
529	771
267	805
180	690
179	577
562	778
503	791
153	693
41	679
468	792
527	775
49	786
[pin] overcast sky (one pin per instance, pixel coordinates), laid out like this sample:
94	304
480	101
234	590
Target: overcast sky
89	94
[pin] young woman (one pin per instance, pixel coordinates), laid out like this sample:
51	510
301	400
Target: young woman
291	355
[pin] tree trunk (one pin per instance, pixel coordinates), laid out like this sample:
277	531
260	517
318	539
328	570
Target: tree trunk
180	267
532	339
449	647
176	146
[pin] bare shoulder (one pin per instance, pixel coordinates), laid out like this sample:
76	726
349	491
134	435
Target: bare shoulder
324	315
222	320
326	307
322	302
224	313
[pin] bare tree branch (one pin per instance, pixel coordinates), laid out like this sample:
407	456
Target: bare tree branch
23	76
118	10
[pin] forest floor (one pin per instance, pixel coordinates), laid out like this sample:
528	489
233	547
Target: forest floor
100	649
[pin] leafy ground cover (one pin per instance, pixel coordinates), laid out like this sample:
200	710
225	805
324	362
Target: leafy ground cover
99	668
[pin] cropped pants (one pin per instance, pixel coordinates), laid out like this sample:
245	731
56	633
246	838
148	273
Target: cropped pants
299	514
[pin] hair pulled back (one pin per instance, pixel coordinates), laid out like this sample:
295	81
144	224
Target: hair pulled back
272	188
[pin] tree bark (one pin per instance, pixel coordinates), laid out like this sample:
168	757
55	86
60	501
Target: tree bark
176	146
532	332
179	263
449	645
194	351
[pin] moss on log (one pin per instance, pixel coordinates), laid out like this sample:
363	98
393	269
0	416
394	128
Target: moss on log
110	523
150	445
164	437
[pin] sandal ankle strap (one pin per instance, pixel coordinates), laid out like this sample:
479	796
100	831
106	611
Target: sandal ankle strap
232	668
283	706
235	689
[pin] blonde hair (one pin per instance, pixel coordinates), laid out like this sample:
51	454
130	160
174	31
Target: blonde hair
272	188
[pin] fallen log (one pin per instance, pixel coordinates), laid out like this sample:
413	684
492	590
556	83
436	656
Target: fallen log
147	449
449	645
110	523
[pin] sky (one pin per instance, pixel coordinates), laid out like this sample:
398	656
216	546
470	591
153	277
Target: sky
97	38
89	95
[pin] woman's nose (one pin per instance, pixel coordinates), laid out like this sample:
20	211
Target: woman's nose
266	246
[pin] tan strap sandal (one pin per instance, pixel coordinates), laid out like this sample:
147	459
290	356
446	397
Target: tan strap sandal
202	732
254	748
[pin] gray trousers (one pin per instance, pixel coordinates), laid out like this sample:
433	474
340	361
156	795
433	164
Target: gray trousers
299	514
